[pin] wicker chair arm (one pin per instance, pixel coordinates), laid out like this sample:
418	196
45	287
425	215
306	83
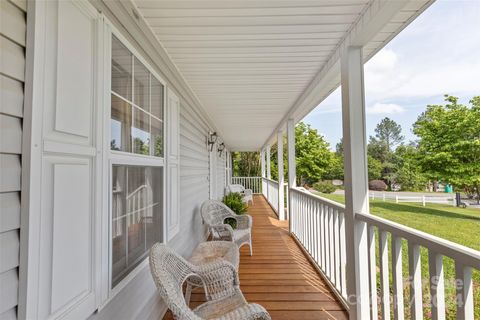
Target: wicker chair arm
220	279
222	232
244	221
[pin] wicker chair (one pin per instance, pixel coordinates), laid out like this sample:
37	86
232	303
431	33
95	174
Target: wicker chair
214	214
225	301
247	194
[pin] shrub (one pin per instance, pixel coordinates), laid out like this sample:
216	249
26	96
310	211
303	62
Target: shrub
234	201
377	185
324	187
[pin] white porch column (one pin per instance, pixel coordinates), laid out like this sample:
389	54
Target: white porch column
262	156
292	169
356	181
281	199
269	174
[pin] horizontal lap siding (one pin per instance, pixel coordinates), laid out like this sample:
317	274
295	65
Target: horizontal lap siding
221	174
12	75
194	185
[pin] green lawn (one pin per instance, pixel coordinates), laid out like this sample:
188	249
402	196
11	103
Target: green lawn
455	224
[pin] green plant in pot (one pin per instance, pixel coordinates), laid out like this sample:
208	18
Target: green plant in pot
234	201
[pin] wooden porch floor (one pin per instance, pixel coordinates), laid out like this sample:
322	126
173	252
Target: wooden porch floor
278	275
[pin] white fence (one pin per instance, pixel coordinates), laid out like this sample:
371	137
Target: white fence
319	225
253	183
412	199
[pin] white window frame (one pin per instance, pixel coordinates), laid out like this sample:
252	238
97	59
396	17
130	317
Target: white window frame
113	157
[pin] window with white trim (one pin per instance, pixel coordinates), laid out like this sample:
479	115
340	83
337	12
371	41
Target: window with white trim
137	161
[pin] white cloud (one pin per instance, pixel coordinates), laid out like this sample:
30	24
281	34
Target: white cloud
385	60
385	108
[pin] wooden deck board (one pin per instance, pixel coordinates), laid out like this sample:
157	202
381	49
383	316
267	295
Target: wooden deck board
278	275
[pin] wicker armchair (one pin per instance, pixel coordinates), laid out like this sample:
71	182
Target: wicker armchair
225	301
214	214
247	194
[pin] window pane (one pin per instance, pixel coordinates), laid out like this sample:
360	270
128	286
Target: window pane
120	124
141	132
141	90
136	216
157	98
157	138
119	231
121	69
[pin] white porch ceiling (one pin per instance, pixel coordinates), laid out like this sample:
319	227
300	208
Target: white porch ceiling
254	63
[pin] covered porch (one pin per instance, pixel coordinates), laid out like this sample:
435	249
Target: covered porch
279	275
132	109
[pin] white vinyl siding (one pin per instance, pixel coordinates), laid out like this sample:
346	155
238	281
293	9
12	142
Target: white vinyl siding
221	163
194	184
12	75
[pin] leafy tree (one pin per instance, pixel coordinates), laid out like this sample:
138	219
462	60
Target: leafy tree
409	173
246	164
388	135
375	168
449	143
388	132
313	156
378	150
335	169
339	147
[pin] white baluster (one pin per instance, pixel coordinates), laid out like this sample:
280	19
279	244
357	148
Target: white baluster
343	254
437	285
384	277
336	246
373	272
415	271
397	277
464	284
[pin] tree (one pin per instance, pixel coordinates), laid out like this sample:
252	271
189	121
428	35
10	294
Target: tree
449	143
246	164
409	174
389	133
375	168
339	147
313	155
335	169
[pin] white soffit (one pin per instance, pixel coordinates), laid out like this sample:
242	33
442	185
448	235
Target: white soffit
251	63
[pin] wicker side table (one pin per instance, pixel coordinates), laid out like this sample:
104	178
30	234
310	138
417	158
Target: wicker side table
207	252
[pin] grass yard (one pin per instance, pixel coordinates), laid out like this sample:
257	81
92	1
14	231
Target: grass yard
455	224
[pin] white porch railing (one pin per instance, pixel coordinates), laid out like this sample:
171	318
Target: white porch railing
253	183
318	224
465	259
270	192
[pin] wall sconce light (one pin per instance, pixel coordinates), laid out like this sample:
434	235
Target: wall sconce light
212	138
220	149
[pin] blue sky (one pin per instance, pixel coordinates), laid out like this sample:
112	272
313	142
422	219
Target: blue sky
436	54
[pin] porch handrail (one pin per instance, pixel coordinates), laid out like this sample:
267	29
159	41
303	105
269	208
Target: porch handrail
252	183
318	224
